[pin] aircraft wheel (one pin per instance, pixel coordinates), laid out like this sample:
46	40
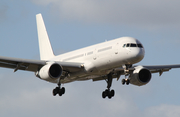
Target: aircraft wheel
59	91
123	81
112	93
109	96
55	91
108	93
127	82
103	94
63	90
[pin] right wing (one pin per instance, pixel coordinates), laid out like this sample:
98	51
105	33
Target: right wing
35	65
152	68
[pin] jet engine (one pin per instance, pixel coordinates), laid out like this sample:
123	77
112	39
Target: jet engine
140	76
50	72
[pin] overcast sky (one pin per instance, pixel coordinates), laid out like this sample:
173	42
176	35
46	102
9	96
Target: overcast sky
72	24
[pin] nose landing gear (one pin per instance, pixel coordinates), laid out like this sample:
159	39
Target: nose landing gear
127	81
126	71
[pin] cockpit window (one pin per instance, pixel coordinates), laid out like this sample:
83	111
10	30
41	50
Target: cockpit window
140	46
132	45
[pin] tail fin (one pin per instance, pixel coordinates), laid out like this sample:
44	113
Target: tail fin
45	48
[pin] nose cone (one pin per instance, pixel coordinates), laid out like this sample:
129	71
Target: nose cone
140	54
137	54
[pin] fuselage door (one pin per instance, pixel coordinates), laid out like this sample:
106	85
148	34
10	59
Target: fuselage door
95	54
117	48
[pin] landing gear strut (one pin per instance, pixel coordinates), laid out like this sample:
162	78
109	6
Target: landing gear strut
58	90
108	93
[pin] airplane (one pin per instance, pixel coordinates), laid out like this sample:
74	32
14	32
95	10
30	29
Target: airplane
104	61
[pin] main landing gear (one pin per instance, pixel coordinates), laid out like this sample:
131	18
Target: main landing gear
58	90
108	93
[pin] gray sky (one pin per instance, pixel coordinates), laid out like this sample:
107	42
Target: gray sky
147	13
72	24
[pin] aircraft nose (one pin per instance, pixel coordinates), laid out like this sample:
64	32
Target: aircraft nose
137	55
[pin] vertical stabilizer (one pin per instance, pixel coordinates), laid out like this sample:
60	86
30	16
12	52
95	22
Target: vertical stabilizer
45	48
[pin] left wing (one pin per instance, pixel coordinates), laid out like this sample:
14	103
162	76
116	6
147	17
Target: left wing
117	72
35	65
161	68
152	68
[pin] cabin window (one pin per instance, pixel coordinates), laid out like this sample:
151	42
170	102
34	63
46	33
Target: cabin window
74	57
104	49
89	53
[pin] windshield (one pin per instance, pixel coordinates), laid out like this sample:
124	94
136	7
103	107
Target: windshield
133	45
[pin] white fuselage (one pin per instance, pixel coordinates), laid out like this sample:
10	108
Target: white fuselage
101	58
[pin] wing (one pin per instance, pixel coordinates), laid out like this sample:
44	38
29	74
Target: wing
153	68
35	65
161	68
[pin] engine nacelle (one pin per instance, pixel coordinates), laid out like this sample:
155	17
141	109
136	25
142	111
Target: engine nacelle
140	76
50	72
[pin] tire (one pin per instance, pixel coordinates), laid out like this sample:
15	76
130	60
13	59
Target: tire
109	95
127	82
123	81
60	93
55	92
104	94
62	90
112	93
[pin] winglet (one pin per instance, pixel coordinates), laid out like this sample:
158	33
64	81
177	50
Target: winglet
45	48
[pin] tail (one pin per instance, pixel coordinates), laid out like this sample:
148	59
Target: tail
45	48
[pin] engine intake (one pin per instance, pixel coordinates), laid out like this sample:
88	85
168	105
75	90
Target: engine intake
50	72
55	71
140	76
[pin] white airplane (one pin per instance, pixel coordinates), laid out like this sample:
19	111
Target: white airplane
103	61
